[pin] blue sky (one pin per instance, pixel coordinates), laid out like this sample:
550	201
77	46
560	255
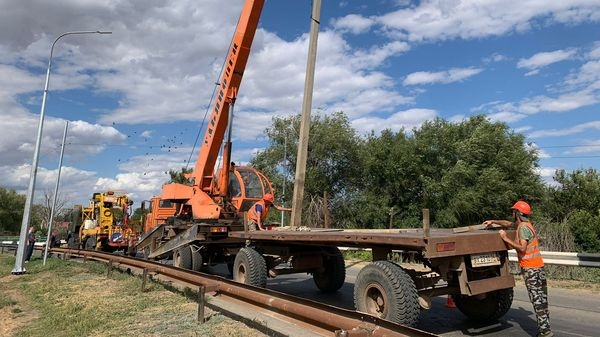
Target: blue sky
135	99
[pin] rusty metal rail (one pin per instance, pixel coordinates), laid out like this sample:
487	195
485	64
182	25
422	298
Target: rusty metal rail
338	322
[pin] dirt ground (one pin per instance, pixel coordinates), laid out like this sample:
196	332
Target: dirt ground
12	317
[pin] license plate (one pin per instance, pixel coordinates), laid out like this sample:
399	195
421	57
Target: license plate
484	260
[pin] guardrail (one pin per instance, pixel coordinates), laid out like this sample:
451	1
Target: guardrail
564	258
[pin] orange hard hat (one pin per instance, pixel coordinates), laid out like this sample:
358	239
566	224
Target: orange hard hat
522	207
268	197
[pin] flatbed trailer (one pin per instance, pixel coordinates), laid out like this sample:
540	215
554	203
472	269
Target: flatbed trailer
409	267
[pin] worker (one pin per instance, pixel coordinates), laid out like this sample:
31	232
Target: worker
259	211
30	243
527	245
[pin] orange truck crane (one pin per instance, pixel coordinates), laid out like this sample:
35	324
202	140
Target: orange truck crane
105	224
184	216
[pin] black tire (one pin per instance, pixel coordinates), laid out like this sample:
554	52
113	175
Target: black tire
495	305
182	258
384	290
197	260
250	268
333	274
90	243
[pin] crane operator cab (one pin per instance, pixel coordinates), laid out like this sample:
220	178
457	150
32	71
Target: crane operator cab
246	186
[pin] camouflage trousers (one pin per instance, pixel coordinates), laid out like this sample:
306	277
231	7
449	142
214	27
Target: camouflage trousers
537	288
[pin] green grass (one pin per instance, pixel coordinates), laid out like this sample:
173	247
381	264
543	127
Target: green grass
6	301
75	299
357	255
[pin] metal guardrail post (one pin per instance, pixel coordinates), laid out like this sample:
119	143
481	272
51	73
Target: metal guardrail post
201	293
144	278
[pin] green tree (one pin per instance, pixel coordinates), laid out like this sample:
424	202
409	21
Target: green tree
333	154
578	190
179	177
11	210
464	172
586	231
575	199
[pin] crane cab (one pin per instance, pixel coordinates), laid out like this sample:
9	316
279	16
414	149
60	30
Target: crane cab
246	186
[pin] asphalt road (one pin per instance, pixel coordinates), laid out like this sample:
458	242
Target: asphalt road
573	313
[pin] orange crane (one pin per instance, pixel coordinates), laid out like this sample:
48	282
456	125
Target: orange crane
216	200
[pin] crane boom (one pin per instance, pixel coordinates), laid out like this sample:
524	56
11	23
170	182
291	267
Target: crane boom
229	83
208	197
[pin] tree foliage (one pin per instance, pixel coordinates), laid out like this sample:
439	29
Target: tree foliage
11	210
462	171
180	177
333	153
575	199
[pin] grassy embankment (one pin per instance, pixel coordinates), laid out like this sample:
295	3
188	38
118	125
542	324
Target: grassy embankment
74	299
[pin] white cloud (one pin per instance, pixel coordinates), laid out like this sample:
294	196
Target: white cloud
20	134
407	120
547	174
448	76
544	59
590	146
442	20
565	102
506	116
353	23
496	57
593	125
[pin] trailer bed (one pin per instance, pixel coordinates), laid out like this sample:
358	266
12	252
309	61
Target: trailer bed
440	242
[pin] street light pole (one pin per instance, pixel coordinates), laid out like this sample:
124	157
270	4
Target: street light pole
49	233
18	268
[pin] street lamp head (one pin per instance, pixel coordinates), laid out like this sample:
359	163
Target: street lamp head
103	32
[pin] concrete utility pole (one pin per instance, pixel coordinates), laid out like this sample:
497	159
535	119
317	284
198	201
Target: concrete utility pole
298	196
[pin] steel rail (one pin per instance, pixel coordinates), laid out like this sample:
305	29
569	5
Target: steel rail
339	322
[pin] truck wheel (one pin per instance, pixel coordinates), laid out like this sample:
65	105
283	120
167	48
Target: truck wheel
182	258
489	309
196	260
384	290
90	243
333	274
250	268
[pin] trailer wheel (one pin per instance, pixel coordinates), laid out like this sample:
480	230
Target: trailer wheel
333	274
182	258
196	260
90	243
489	309
250	268
384	290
